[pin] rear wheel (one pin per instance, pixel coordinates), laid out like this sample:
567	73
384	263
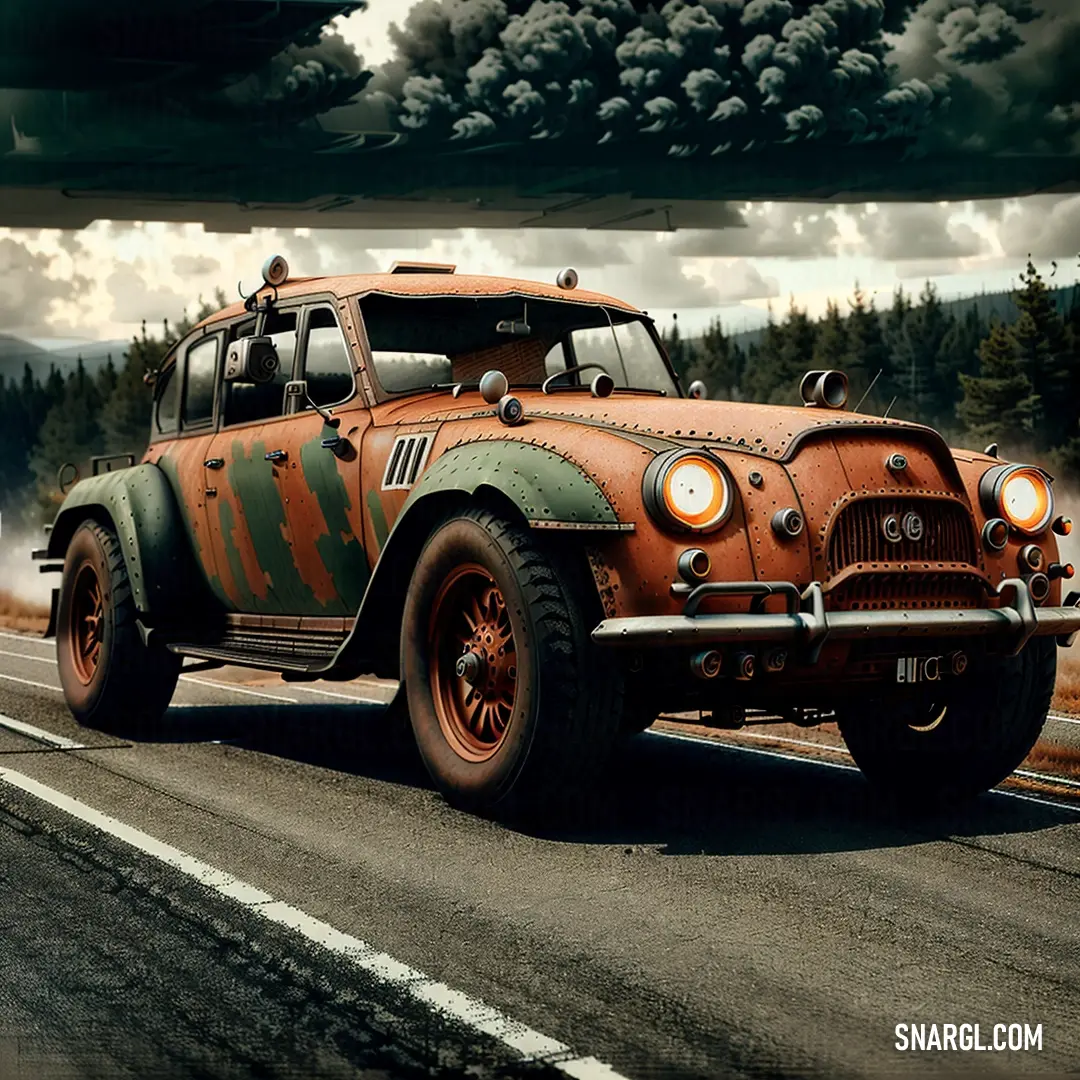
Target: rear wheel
511	703
111	680
949	749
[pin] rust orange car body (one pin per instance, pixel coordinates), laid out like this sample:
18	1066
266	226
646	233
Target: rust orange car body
835	548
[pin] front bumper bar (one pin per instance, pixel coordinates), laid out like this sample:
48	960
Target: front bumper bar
806	623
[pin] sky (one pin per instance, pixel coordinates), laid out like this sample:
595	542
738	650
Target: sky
102	282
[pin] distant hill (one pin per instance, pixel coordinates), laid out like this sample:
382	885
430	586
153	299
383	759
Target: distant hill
988	304
15	354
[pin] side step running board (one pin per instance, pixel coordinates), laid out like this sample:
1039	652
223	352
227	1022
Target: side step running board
250	658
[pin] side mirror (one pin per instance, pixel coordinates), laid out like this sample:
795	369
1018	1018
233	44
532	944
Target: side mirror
697	390
251	359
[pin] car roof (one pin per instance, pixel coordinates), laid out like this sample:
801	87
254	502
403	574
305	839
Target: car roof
427	285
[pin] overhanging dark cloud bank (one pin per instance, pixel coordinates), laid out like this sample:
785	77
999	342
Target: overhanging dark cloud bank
505	107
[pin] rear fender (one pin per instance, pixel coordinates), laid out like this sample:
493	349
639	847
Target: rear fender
139	504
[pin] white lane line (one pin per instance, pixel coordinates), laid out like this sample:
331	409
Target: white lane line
30	682
29	656
40	734
804	760
237	689
343	697
451	1004
25	637
1062	719
1048	777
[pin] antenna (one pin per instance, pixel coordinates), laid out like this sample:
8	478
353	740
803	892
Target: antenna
885	414
868	389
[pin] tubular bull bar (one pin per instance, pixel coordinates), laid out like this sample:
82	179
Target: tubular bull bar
807	625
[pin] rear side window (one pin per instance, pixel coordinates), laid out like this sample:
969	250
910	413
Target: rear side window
199	381
328	366
167	408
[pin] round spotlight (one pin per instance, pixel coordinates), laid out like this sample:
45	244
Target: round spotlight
275	270
1039	587
1021	494
493	386
510	410
995	534
1031	557
567	279
707	664
688	489
694	565
788	523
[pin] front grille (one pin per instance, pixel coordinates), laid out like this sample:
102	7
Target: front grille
858	534
909	591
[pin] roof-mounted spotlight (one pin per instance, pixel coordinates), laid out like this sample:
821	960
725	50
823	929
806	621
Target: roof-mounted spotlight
275	271
567	279
824	389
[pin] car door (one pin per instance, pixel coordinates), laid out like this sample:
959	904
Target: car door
182	434
317	467
249	532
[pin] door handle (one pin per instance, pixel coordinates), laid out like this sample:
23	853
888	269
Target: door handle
277	456
211	492
215	463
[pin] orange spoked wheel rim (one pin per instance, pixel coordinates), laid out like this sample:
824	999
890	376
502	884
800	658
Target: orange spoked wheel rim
87	625
473	661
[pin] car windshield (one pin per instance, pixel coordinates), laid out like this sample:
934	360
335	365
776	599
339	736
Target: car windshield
420	343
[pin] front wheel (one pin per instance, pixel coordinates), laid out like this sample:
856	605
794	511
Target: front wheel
950	749
111	680
511	704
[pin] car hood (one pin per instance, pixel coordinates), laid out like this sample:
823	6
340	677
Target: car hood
776	431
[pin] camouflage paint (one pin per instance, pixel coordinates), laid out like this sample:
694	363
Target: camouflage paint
378	521
253	481
150	526
338	548
240	593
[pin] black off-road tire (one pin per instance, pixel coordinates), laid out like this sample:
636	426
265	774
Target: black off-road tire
130	685
568	697
992	720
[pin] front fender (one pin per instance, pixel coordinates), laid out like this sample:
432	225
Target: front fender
140	505
547	489
544	486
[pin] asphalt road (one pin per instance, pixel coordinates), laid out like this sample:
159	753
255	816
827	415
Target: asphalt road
261	874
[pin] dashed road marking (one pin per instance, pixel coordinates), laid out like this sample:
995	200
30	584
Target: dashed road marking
40	734
451	1004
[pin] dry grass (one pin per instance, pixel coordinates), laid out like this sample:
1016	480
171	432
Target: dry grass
17	614
1067	691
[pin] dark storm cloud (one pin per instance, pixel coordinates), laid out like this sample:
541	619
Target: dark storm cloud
707	77
303	80
920	231
728	75
1010	69
774	230
27	290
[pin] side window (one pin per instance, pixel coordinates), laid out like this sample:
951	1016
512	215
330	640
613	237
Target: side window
248	403
199	379
167	406
328	366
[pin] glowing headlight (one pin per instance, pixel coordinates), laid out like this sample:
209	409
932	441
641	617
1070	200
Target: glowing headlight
688	489
1021	494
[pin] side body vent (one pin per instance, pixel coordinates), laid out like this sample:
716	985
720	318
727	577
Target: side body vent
408	456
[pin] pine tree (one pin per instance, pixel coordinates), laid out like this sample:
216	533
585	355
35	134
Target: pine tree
831	344
125	415
959	355
866	353
716	362
999	404
69	432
